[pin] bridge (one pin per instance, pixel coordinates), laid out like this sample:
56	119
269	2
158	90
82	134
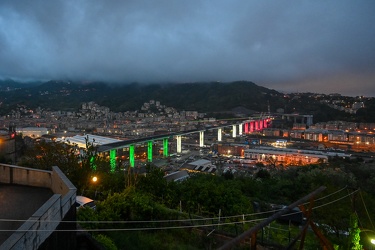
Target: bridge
112	145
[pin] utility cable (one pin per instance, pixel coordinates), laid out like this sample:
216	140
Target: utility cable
328	203
132	229
328	195
182	220
368	215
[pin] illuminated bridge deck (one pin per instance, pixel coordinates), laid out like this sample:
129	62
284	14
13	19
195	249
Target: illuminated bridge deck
107	144
122	144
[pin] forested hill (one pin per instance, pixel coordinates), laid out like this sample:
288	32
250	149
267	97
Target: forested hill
208	97
204	97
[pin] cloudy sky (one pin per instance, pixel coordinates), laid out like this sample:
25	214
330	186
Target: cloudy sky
295	45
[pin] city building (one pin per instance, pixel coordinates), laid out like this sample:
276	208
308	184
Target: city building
285	156
202	165
82	140
33	132
177	176
8	146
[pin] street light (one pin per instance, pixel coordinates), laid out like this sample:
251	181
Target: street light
94	179
370	236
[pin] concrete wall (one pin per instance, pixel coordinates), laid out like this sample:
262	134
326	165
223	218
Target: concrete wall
37	230
25	176
60	184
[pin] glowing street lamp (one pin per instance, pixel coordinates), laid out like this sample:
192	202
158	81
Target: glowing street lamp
94	179
369	236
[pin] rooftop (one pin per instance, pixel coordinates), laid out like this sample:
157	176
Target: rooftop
80	140
18	203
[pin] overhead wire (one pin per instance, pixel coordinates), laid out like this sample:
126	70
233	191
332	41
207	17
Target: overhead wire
133	229
169	221
368	215
181	220
328	203
324	197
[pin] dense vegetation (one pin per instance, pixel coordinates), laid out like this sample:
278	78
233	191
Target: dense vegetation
147	212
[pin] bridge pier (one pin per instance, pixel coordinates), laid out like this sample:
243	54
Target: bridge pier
219	134
165	147
179	148
92	162
309	120
246	127
131	156
201	139
112	159
234	132
149	150
240	129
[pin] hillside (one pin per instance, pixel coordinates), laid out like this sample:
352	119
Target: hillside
214	98
204	97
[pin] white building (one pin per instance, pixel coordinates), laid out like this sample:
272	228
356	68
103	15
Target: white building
33	132
201	165
285	156
80	140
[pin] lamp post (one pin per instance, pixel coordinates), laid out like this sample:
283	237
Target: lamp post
94	180
370	237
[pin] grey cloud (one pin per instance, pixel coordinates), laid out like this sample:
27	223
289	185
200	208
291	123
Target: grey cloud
283	45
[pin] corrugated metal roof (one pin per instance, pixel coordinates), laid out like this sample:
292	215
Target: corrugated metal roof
200	162
80	140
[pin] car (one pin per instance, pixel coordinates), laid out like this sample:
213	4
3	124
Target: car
83	202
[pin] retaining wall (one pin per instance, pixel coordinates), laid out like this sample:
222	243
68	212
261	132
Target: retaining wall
35	232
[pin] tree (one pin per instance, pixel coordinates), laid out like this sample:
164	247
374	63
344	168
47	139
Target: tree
153	183
263	174
79	165
354	233
44	155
